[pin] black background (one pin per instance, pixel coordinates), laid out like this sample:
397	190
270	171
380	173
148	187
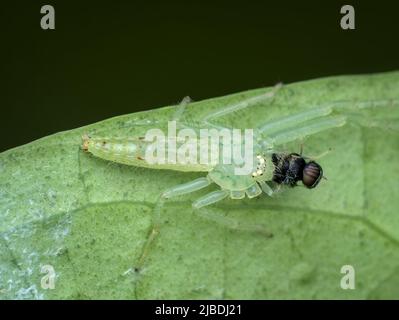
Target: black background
111	58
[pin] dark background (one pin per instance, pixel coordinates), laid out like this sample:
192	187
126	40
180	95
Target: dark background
111	58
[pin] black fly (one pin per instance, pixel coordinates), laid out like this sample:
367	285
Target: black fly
291	168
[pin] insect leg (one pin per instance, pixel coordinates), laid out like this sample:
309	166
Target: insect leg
175	191
240	105
317	157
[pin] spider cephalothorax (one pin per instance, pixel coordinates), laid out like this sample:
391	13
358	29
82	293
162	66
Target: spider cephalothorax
260	166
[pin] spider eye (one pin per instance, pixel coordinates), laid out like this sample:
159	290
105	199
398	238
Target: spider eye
312	174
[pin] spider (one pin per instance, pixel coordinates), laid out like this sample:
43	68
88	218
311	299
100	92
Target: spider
271	169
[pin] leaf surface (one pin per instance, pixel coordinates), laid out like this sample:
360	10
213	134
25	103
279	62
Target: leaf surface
89	219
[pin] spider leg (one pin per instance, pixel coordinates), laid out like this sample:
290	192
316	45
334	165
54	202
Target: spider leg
326	110
391	124
253	191
181	107
298	126
210	198
354	111
239	106
304	131
175	191
266	188
231	223
294	119
185	188
145	122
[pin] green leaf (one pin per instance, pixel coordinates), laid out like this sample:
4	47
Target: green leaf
89	219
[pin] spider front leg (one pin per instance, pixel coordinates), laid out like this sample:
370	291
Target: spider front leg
312	121
302	130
